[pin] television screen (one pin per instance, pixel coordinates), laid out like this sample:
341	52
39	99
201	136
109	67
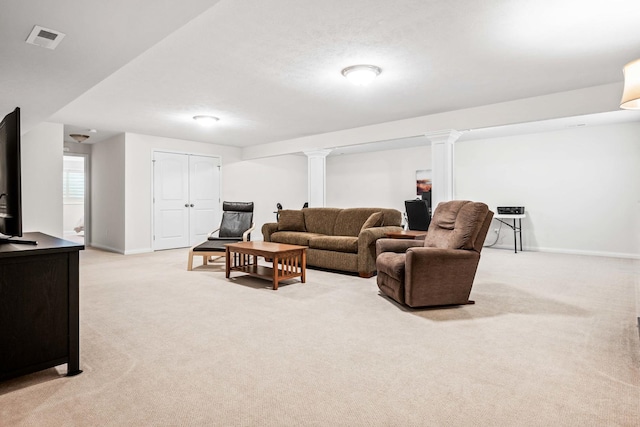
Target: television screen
10	186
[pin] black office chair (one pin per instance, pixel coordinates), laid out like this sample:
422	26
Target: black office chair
236	226
418	215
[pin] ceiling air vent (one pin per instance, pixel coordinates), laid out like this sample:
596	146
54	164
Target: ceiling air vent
45	37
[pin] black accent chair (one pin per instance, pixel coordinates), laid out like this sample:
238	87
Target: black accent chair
236	226
418	214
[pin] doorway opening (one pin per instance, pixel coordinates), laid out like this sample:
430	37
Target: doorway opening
74	198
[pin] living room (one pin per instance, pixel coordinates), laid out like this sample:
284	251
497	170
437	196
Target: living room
553	337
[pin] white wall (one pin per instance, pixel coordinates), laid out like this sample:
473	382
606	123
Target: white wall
596	99
266	182
378	179
108	194
75	147
138	170
41	163
580	187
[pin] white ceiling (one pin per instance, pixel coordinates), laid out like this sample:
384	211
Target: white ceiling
270	70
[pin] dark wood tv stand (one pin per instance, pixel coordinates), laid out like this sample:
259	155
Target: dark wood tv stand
39	306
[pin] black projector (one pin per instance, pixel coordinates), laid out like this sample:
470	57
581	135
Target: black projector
510	210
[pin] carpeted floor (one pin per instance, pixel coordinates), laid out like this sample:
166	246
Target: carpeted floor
552	340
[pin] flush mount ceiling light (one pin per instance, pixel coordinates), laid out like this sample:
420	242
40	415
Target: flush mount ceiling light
361	75
205	120
78	137
631	94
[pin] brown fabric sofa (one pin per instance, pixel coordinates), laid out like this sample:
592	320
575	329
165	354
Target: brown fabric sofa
440	269
338	239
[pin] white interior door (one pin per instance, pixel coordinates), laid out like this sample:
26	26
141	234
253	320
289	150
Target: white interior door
204	197
171	200
186	199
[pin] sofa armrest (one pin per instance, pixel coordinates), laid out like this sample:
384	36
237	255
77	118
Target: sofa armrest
268	229
369	236
367	248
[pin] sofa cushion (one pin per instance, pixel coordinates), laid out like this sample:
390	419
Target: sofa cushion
291	220
391	217
374	220
320	220
293	237
348	244
349	221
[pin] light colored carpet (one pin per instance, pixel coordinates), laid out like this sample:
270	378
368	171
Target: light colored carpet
551	340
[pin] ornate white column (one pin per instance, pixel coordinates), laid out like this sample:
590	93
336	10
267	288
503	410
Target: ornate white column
442	152
317	177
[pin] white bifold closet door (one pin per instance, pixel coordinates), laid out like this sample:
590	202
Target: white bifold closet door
186	199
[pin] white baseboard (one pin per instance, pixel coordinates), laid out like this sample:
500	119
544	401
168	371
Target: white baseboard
106	248
138	251
120	251
572	251
590	253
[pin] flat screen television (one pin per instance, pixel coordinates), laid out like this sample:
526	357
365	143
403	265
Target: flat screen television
10	182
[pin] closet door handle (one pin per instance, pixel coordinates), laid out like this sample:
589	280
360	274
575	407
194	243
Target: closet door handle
186	205
191	205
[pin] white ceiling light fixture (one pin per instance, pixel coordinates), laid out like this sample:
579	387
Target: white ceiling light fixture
631	93
205	120
361	75
78	137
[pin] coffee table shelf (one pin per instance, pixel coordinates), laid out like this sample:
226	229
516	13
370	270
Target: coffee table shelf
289	260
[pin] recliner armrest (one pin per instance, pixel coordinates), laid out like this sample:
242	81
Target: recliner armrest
396	245
439	276
443	265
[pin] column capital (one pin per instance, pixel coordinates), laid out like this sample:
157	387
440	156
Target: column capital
443	135
318	153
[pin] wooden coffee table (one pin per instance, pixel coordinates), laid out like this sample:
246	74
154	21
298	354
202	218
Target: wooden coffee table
289	261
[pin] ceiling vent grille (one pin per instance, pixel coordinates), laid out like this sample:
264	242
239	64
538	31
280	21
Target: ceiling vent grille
45	37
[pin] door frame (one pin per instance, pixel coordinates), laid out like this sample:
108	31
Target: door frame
87	193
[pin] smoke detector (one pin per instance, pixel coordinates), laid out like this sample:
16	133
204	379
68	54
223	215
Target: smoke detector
45	37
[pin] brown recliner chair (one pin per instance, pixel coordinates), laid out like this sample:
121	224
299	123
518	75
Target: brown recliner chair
439	270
